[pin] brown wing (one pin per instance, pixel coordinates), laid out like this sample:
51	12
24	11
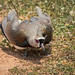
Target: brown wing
20	36
49	34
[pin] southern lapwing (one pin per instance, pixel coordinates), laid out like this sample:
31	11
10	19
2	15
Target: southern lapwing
34	33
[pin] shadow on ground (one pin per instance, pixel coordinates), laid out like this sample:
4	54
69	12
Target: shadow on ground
34	55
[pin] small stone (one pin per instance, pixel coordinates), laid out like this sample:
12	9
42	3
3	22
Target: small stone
0	6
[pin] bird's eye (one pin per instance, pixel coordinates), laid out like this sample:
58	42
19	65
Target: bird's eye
37	41
44	35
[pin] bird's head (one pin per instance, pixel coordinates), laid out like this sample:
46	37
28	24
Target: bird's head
37	42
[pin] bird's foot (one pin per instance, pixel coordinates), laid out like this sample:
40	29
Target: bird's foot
44	52
25	53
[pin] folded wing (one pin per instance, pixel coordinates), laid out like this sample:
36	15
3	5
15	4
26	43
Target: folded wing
46	26
10	28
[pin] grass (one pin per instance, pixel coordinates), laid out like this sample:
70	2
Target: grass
17	71
62	59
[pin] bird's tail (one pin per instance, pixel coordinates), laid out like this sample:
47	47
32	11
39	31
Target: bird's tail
39	11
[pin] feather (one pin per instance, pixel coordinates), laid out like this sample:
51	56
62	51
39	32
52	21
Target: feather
27	33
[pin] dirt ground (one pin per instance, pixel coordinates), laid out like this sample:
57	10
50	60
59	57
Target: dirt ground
12	58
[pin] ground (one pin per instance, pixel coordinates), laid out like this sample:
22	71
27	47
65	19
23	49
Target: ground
10	58
61	57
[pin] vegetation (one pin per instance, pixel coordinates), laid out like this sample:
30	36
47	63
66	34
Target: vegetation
62	12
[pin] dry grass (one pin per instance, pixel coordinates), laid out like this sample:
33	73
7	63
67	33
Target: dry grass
61	61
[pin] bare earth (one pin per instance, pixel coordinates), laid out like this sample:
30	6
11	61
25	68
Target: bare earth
12	58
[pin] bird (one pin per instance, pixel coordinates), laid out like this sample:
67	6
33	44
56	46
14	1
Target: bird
36	32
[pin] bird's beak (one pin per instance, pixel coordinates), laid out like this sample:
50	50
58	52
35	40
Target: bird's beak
42	46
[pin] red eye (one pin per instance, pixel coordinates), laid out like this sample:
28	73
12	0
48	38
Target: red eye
37	41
